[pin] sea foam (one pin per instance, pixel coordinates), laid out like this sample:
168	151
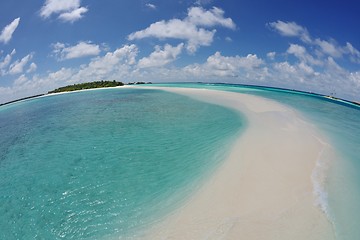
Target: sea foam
319	178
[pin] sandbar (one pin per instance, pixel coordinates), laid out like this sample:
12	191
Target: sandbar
264	189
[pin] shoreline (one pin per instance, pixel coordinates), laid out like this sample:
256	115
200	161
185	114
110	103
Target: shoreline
42	95
265	188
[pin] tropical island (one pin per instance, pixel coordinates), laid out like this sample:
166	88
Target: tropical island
79	86
87	85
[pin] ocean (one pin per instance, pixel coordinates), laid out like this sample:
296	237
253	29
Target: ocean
108	163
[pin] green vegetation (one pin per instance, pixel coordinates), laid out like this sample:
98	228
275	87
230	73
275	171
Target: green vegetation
88	85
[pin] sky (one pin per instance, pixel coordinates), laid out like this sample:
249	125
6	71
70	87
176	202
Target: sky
304	45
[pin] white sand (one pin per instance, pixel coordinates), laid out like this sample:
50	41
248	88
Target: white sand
264	189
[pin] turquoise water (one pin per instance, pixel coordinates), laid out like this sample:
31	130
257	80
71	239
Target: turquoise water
108	163
105	163
339	122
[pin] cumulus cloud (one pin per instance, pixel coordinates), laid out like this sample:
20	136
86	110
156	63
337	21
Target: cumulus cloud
82	49
323	48
18	66
20	80
291	29
354	53
10	67
32	68
67	10
122	65
177	29
209	18
4	63
191	29
73	15
161	57
355	78
225	66
329	48
312	71
311	65
113	65
7	32
301	53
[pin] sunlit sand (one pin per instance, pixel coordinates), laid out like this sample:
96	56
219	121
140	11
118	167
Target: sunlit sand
265	189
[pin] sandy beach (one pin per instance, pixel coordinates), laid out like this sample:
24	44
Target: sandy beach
264	190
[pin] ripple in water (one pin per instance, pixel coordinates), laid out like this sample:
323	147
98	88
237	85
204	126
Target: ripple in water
104	163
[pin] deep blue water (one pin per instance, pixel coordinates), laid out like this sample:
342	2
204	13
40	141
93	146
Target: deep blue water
104	163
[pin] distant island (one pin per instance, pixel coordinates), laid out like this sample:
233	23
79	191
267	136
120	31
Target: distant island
87	85
79	86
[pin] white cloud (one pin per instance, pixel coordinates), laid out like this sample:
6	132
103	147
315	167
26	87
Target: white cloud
301	53
74	15
113	65
62	75
10	67
122	65
188	29
151	6
291	29
177	29
228	39
327	79
20	80
354	53
323	48
306	69
7	32
18	66
82	49
5	63
209	18
355	78
329	48
224	66
32	68
285	67
309	66
68	10
271	55
218	61
161	57
289	75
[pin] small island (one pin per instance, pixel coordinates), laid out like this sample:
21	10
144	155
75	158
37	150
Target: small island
87	85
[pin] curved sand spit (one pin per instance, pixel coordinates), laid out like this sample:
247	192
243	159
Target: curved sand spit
264	189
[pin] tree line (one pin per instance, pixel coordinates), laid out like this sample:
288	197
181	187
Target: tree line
87	85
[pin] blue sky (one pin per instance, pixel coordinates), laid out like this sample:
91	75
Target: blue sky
304	45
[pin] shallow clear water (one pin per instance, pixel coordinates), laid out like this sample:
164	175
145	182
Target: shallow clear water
104	163
107	163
